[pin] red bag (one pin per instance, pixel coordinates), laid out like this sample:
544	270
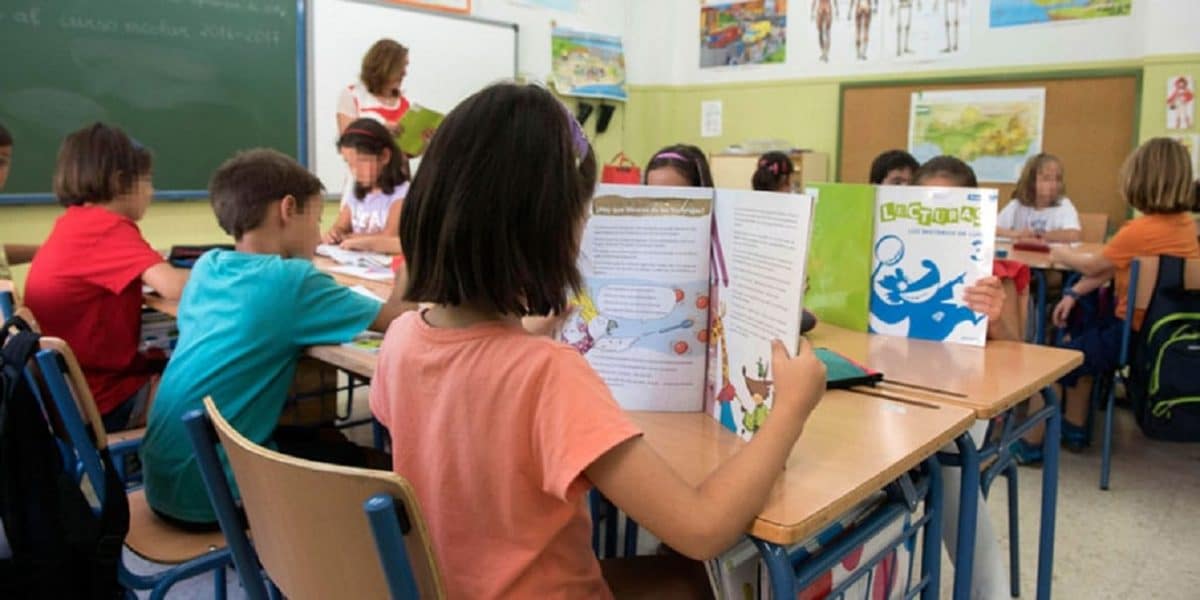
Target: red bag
621	170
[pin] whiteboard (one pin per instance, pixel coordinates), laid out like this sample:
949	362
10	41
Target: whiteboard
450	58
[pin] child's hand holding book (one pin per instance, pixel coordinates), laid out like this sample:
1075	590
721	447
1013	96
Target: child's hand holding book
799	381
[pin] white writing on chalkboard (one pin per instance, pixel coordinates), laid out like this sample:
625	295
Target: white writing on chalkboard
164	28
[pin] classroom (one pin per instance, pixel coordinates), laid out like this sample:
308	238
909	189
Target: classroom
824	299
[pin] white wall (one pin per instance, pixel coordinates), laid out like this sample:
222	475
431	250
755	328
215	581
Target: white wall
664	47
598	16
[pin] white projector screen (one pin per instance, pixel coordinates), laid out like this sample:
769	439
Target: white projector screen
450	58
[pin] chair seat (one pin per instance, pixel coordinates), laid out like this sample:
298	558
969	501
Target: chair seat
158	541
124	436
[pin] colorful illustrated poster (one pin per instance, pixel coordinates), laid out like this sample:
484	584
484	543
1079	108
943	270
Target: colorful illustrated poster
642	319
1012	13
993	130
839	263
919	31
742	33
1181	102
588	65
454	6
930	244
759	252
845	32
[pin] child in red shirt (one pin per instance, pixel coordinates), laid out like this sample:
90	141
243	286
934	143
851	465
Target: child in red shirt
85	284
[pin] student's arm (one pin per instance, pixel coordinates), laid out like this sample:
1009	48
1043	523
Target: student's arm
343	121
341	227
1086	263
1083	287
395	305
20	253
703	521
384	244
166	280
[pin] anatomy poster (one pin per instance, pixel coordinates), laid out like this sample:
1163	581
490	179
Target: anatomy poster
917	31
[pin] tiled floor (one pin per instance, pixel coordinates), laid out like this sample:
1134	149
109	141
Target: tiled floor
1140	539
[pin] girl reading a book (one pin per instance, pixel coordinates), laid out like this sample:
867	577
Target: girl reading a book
472	399
370	213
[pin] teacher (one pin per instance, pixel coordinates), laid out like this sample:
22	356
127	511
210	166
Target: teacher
377	93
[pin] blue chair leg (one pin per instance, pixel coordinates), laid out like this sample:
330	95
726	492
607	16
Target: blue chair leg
611	517
1014	532
1050	452
1106	452
631	537
219	589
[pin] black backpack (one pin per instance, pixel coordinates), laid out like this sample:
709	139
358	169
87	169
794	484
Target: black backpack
60	547
1163	385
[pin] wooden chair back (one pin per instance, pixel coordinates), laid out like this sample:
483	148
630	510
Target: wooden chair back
309	527
1093	227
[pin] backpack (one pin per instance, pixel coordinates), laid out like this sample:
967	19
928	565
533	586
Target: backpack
1164	389
60	547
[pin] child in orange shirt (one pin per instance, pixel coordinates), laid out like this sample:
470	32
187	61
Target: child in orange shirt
501	432
1157	180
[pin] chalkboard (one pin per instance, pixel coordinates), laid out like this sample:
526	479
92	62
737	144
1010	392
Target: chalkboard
193	80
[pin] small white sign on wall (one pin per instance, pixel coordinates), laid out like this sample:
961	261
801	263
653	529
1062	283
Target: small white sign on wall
710	118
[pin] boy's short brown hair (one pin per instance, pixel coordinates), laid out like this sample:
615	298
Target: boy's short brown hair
495	213
1157	178
5	137
245	185
97	164
380	64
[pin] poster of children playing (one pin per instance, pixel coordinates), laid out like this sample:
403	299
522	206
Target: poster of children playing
741	33
588	65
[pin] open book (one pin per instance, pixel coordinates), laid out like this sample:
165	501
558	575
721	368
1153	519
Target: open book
415	122
684	290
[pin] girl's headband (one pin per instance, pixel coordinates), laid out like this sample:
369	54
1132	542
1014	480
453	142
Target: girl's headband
361	132
773	166
681	158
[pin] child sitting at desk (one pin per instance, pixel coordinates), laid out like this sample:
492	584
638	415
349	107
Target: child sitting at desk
1156	180
244	319
501	432
894	167
85	284
773	173
10	253
370	213
988	581
1039	210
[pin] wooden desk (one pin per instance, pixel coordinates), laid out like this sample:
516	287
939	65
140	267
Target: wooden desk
852	446
1041	260
988	380
383	289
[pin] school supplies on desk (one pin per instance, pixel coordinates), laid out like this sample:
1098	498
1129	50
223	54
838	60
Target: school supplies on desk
353	258
684	288
930	245
184	257
367	341
415	122
1032	246
843	373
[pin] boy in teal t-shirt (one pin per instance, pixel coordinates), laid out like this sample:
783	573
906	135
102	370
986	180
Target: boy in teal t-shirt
244	319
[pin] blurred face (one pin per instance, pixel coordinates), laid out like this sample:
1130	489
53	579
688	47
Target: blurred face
898	177
301	228
667	176
1049	183
365	167
137	200
398	77
5	163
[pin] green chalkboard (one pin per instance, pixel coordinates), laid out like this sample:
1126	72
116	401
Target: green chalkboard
193	80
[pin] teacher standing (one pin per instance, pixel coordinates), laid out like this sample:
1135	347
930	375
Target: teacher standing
377	93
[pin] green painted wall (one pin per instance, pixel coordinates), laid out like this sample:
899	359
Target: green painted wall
805	112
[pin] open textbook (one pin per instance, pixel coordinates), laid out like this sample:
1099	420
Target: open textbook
684	289
930	244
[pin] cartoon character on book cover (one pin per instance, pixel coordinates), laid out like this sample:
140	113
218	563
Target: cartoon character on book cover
931	244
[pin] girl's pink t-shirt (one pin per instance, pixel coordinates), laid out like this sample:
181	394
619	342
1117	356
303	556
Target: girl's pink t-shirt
494	427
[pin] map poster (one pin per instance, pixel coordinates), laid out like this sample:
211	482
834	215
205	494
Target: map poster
1012	13
993	130
588	65
744	32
